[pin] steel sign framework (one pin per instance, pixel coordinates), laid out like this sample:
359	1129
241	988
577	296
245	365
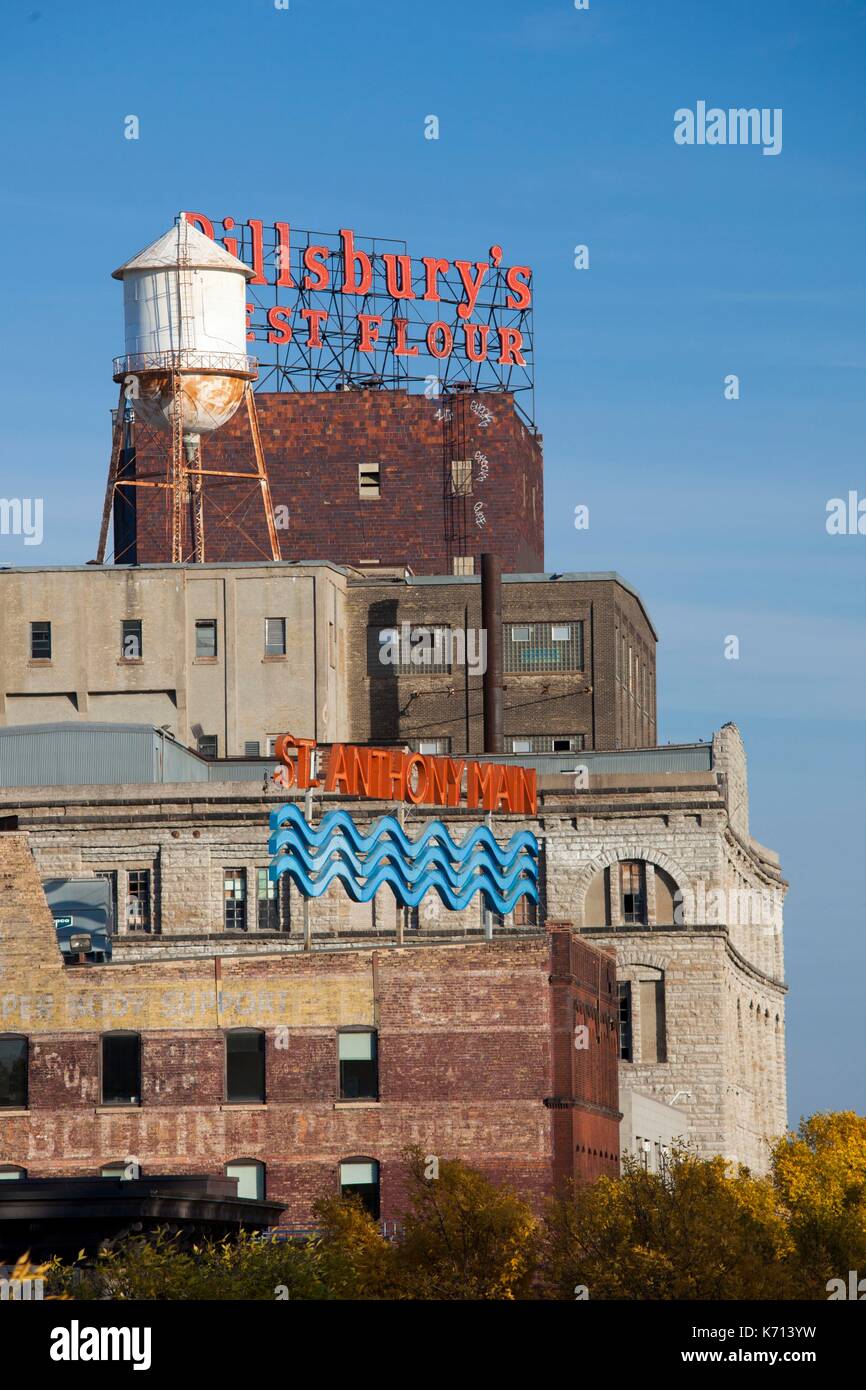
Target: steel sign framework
332	311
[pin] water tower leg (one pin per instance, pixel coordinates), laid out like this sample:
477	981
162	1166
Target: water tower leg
262	473
196	506
178	469
113	470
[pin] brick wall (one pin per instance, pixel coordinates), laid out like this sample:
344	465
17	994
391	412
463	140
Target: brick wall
313	444
467	1059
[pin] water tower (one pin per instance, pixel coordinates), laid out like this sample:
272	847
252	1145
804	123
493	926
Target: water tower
184	373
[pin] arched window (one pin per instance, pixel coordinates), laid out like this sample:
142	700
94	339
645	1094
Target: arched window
121	1069
359	1177
14	1066
251	1178
245	1066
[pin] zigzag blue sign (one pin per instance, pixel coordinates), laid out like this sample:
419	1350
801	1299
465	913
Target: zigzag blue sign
338	850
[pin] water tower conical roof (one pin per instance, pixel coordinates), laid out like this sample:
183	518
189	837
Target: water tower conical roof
183	245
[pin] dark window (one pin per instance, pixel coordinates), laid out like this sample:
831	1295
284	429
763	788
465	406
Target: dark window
625	1050
359	1177
13	1073
130	639
632	883
275	636
206	637
138	900
252	749
235	896
245	1066
40	641
273	903
207	745
121	1069
542	646
9	1173
251	1178
359	1066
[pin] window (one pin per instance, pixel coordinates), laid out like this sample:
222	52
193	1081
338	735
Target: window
436	747
121	1069
272	744
130	639
633	888
252	749
369	480
545	743
235	895
463	564
9	1173
245	1066
40	641
208	745
273	904
410	650
111	876
625	1051
545	647
526	912
275	636
206	639
138	900
461	477
359	1177
250	1176
359	1066
411	918
653	1041
13	1073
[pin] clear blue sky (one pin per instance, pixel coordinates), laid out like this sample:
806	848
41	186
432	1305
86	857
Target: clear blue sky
556	128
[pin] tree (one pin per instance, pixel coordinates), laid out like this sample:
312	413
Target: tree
697	1231
463	1237
819	1173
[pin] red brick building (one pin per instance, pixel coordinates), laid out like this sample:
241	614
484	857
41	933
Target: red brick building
368	478
299	1071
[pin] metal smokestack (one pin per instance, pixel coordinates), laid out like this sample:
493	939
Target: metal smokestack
491	622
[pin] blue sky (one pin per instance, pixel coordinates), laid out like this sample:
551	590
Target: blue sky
556	129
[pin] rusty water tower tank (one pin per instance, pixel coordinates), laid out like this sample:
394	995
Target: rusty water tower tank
184	309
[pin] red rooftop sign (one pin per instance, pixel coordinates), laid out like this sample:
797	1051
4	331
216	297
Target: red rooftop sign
327	310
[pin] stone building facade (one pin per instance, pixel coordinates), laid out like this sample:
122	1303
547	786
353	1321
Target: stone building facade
651	859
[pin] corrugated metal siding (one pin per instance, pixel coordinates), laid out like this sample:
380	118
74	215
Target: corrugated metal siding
181	764
240	771
76	755
44	755
687	758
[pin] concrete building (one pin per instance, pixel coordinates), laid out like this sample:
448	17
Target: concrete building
225	657
653	860
651	1130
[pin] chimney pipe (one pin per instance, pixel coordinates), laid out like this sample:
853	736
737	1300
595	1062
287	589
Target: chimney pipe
491	622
